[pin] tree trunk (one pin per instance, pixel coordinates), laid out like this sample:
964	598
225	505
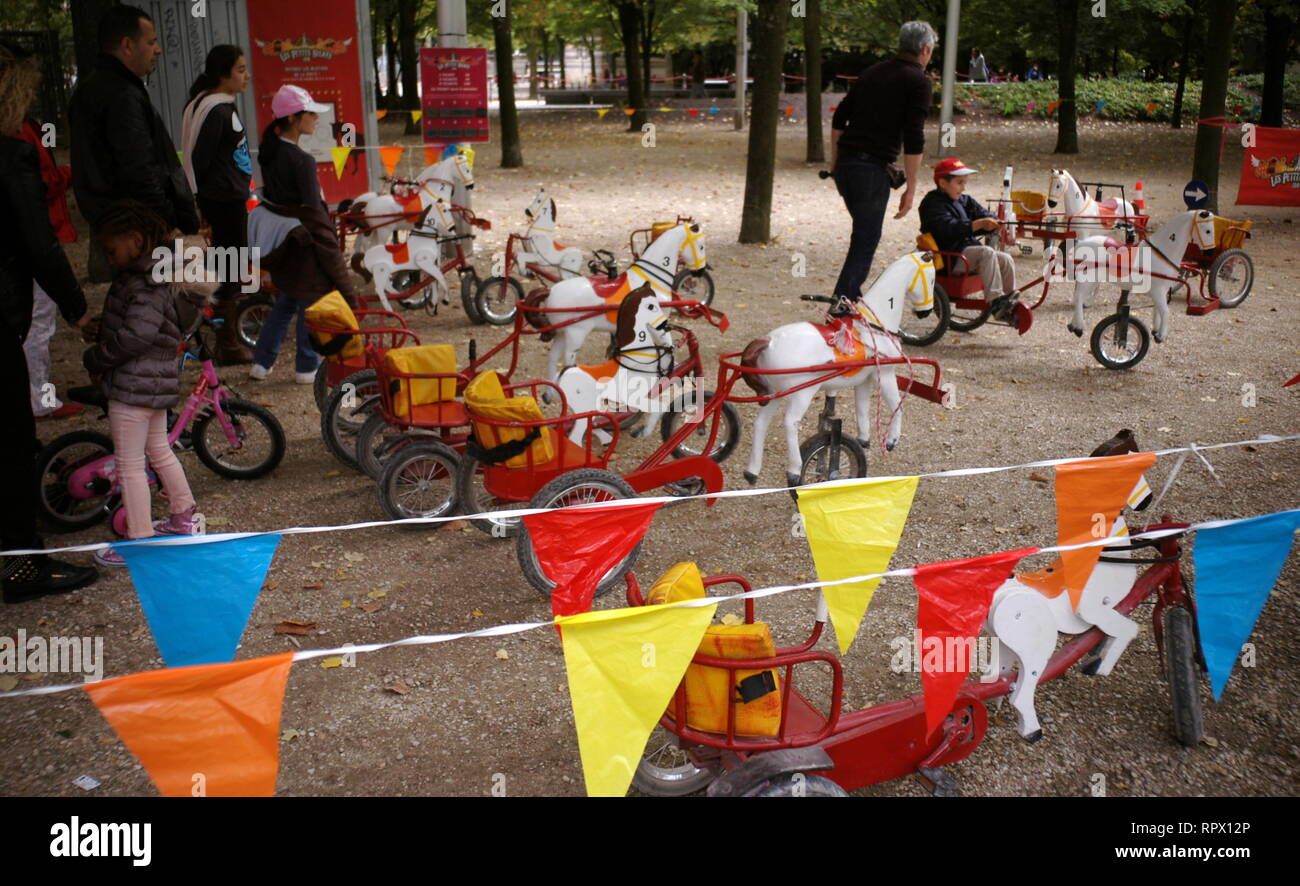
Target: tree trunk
512	155
1067	112
390	53
532	70
629	22
1277	37
85	22
812	70
546	58
769	49
410	61
647	32
1214	95
1188	22
564	80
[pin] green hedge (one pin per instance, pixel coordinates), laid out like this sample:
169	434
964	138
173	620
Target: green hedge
1123	99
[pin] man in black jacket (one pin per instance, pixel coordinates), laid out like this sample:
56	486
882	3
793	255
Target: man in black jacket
120	148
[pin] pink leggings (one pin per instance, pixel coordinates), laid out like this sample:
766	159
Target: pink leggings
140	432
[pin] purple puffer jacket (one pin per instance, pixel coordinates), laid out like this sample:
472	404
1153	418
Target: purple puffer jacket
139	335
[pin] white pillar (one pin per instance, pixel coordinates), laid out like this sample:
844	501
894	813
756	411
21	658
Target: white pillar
949	73
452	23
742	45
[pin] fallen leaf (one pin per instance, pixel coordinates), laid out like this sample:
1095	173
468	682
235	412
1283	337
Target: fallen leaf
502	655
334	661
377	595
107	739
732	618
354	556
297	628
289	735
455	524
1165	430
332	473
1209	740
1001	529
371	607
270	586
477	613
347	604
7	682
1037	477
398	687
314	586
318	564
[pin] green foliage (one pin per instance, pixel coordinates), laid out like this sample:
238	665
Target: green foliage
1124	99
1290	89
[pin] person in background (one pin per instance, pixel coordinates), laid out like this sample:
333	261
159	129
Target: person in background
954	218
29	252
219	169
120	148
1035	73
293	232
979	69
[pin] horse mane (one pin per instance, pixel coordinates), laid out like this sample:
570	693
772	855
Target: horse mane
627	310
1121	444
554	214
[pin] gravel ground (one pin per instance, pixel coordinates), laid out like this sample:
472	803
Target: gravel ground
472	716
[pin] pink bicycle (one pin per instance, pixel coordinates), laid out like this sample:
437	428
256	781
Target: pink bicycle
235	438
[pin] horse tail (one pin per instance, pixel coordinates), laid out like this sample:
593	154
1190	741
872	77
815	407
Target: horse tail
535	319
749	359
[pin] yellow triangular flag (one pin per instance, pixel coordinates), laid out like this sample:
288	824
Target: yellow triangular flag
665	109
340	156
416	115
602	112
379	115
390	155
624	665
853	530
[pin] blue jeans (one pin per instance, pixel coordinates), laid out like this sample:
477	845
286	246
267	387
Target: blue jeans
276	328
864	185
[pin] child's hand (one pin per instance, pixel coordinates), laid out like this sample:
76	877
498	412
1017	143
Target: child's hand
90	328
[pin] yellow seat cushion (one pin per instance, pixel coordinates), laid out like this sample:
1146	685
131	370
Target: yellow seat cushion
485	398
927	243
682	582
1029	204
1226	239
332	311
420	360
711	691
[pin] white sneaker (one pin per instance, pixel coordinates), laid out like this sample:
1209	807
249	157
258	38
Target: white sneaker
305	378
257	372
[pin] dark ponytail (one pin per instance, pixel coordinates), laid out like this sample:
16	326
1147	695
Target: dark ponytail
220	62
270	145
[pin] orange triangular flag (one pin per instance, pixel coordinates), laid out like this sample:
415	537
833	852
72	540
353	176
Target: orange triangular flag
1090	493
390	155
379	115
432	155
206	730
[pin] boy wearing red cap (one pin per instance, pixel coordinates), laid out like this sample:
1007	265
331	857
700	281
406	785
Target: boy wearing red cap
954	217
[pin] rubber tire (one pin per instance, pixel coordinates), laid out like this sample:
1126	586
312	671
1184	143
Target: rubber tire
250	306
550	492
668	781
1098	333
961	324
468	497
469	284
486	292
235	409
851	454
1219	262
812	786
366	390
401	281
320	386
941	313
47	455
1181	672
368	440
728	437
393	468
703	288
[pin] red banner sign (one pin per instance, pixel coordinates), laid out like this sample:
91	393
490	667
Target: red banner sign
316	46
1270	171
454	99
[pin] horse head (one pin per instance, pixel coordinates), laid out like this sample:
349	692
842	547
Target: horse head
1203	229
534	209
642	323
1060	187
914	275
692	249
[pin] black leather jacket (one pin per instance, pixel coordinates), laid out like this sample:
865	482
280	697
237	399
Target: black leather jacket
121	150
28	248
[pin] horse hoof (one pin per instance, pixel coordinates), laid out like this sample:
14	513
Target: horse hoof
889	447
1158	337
1033	737
791	479
751	479
1077	332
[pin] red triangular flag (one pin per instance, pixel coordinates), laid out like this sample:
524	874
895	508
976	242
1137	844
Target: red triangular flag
577	548
953	600
205	730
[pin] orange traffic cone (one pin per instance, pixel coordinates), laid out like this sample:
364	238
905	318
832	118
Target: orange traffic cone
1138	201
251	203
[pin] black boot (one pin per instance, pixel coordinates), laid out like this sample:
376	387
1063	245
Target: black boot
34	576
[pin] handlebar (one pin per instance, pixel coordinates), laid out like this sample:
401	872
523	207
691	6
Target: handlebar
826	299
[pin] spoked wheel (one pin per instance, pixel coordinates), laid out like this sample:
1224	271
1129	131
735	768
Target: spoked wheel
258	444
419	481
249	318
347	407
469	284
404	280
55	465
580	487
666	770
378	441
694	285
822	461
1231	276
475	499
1120	342
320	386
498	299
435	293
928	326
1180	669
967	319
728	431
801	785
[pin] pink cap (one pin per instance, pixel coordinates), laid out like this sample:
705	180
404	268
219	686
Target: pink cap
292	99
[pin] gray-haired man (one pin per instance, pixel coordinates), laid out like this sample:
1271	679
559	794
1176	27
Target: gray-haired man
885	107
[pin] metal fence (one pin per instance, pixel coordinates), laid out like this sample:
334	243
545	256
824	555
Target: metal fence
52	102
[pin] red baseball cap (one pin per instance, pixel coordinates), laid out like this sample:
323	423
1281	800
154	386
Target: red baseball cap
951	166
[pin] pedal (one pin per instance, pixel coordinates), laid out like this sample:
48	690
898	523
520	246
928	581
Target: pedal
938	782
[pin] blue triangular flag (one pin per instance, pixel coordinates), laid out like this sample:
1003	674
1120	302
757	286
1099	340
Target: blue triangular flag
197	596
1236	568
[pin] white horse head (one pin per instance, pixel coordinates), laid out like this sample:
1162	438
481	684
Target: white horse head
455	169
882	303
1063	189
542	203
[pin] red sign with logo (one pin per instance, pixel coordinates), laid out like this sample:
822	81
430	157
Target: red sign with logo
313	45
454	100
1270	172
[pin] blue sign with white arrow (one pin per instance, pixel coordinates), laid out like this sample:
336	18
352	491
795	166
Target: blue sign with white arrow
1195	194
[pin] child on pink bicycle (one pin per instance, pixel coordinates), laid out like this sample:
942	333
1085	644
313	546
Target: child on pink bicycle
134	363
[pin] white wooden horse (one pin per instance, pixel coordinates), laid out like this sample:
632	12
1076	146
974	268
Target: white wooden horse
656	267
1064	192
643	359
1030	609
874	333
542	247
440	180
421	251
1099	259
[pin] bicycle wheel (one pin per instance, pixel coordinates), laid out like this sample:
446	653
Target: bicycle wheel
728	431
963	319
249	318
666	770
1231	276
823	462
320	386
1180	669
696	285
258	444
348	406
419	481
55	465
925	328
469	284
1120	347
498	299
475	499
583	486
377	441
